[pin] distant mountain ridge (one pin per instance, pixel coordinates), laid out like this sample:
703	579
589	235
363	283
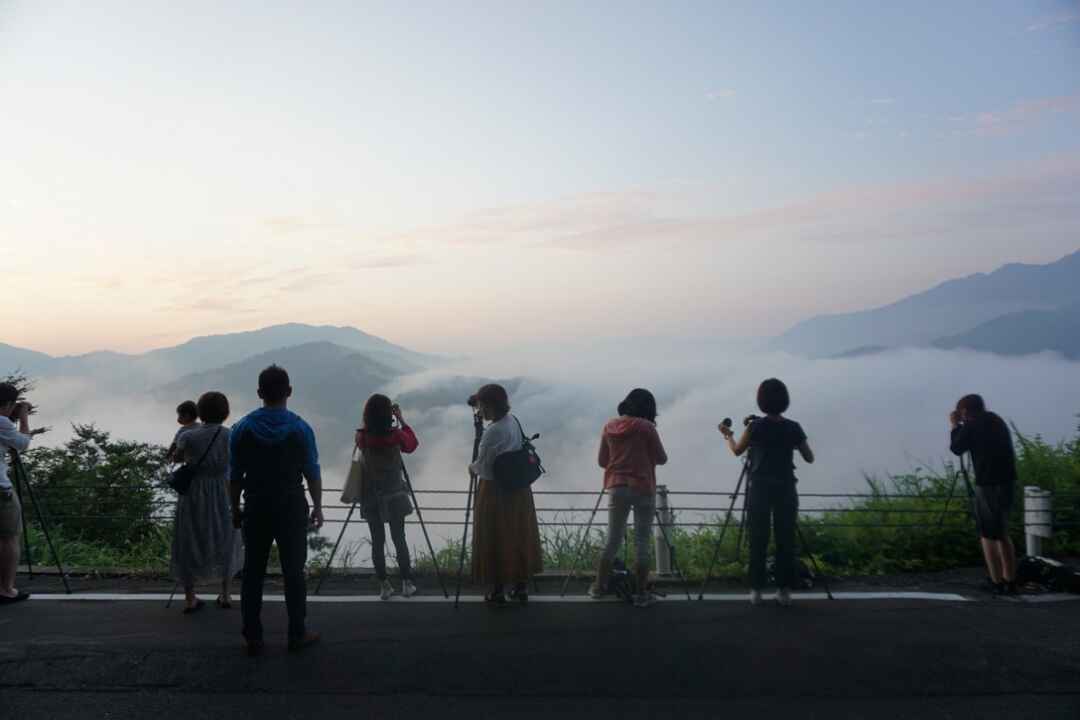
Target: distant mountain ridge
204	353
945	313
1024	333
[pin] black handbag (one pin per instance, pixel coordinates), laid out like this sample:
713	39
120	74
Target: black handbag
518	469
181	478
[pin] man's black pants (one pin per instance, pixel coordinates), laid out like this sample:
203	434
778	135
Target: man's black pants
285	520
779	502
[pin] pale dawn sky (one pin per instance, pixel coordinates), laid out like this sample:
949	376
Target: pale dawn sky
456	176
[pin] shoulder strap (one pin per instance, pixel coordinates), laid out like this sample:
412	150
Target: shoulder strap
524	440
207	450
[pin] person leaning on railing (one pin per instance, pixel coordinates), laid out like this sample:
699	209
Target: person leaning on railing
630	450
772	441
13	438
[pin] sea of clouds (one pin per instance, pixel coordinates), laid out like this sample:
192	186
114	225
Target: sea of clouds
873	415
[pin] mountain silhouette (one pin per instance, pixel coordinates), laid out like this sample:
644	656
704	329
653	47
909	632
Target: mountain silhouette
945	311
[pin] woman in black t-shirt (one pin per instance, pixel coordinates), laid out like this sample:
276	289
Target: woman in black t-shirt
772	441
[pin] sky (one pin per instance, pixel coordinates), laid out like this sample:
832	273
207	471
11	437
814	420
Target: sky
457	177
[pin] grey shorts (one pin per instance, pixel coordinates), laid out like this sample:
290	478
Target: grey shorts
992	506
10	514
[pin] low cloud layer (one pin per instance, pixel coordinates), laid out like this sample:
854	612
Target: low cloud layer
871	415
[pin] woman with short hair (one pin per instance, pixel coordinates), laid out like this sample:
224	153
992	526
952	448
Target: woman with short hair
506	537
772	441
630	450
385	497
205	543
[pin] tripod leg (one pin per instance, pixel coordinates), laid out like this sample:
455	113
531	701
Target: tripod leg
26	543
427	538
674	559
333	552
464	537
723	531
581	544
813	560
44	524
168	603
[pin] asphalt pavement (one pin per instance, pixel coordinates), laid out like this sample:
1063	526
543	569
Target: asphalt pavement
883	658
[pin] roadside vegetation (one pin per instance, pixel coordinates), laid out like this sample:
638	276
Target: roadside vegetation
108	508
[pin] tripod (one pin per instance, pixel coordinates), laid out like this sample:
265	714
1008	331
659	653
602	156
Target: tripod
423	527
952	491
744	476
478	431
585	536
23	488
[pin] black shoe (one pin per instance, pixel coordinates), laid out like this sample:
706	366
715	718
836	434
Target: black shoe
1011	588
298	644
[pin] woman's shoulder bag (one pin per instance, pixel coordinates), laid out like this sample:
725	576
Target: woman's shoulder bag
518	469
181	478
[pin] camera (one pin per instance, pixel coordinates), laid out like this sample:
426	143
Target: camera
13	416
472	401
747	421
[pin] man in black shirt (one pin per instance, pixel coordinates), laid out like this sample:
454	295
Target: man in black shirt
986	437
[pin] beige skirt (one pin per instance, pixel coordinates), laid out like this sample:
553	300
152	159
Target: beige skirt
506	538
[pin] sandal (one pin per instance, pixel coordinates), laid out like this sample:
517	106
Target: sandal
223	604
199	605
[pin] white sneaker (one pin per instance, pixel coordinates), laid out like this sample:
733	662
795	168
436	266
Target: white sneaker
596	592
386	590
783	598
644	600
407	588
755	597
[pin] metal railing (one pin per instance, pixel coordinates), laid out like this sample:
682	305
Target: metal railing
684	511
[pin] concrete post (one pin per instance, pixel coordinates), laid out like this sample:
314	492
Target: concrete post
1038	519
662	550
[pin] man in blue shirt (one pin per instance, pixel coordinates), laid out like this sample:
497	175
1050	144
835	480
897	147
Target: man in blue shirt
272	451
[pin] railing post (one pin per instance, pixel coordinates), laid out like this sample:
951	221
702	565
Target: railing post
1038	519
663	551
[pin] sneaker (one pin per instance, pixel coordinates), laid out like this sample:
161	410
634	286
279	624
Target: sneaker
645	600
408	589
596	592
755	597
783	598
298	644
386	590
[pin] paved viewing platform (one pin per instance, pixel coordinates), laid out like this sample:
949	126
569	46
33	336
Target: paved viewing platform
114	650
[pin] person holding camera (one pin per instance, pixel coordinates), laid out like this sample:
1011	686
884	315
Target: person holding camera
13	438
385	497
771	495
976	430
506	537
630	450
205	543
